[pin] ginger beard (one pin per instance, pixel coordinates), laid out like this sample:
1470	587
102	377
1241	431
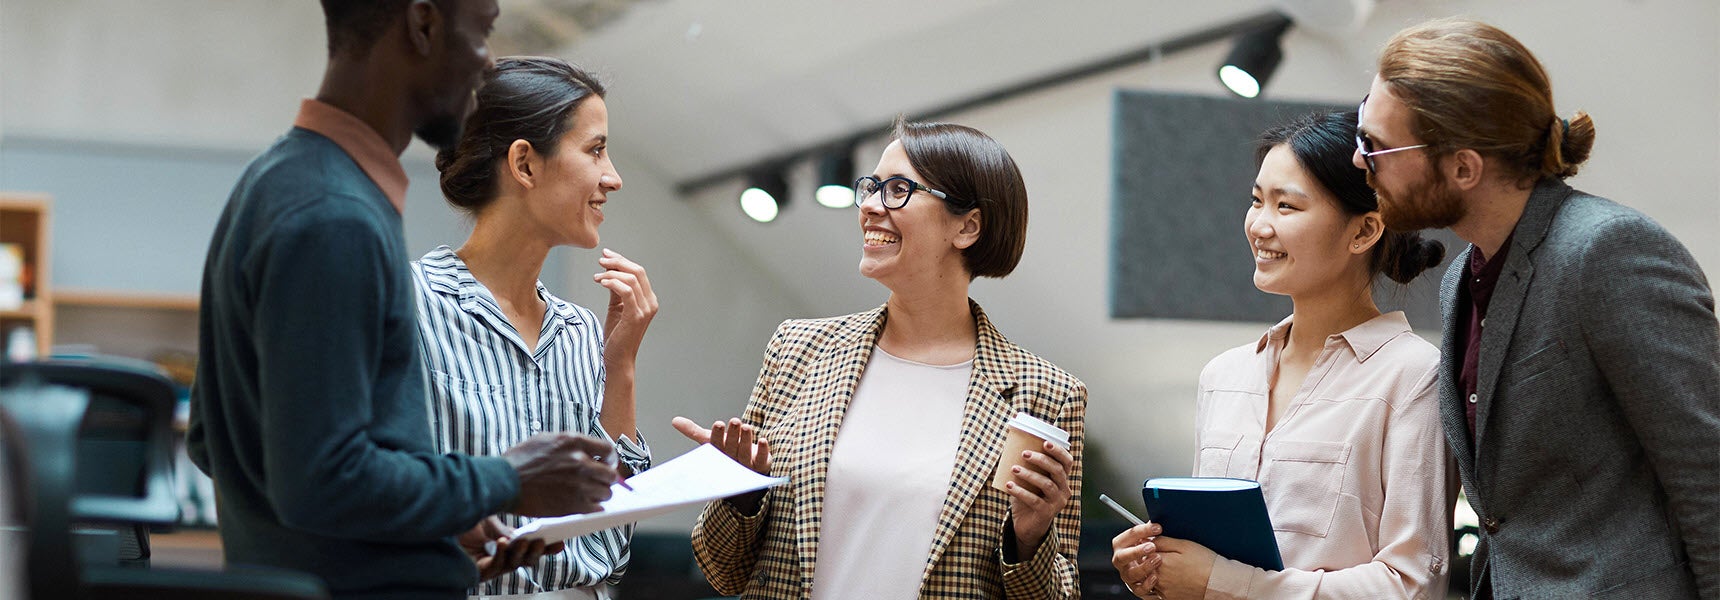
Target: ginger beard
1429	204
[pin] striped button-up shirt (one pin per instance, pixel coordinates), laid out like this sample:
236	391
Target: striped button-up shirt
488	392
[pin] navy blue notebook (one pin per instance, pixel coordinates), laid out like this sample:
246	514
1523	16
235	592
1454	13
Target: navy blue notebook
1224	514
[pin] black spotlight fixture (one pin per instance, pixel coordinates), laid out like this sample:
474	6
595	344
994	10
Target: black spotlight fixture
1253	59
767	191
836	178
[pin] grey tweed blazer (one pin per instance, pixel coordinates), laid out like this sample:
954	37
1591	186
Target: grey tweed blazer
1595	464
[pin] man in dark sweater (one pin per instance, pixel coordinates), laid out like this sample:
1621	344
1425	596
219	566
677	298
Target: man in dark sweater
309	408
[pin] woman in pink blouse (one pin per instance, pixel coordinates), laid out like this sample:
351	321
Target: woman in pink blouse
1332	410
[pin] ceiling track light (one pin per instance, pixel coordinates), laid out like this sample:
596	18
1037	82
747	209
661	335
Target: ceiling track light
836	179
766	193
1156	50
1253	58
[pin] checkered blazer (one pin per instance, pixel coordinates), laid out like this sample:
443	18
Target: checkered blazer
811	368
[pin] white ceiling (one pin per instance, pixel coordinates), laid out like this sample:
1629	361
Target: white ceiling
711	85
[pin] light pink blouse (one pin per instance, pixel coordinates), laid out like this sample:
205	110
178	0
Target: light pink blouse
1353	473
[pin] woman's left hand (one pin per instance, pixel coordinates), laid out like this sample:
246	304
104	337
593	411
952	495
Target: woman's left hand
632	305
1035	499
1186	568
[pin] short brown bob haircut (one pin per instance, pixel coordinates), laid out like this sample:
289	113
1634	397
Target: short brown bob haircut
977	174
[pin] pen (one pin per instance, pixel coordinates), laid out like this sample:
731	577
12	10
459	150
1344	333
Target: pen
1120	510
613	459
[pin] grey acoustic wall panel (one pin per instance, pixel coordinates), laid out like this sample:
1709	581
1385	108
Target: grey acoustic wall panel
1183	167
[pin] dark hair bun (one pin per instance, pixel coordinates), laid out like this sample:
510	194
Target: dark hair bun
527	98
1414	255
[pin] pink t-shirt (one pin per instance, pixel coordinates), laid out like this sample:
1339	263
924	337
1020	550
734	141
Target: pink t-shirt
1353	473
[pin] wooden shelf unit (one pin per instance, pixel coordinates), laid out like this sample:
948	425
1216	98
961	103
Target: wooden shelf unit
24	220
107	299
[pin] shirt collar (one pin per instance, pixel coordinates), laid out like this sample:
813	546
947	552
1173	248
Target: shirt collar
1364	339
449	275
366	147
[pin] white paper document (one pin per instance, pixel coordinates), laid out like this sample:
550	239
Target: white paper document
699	476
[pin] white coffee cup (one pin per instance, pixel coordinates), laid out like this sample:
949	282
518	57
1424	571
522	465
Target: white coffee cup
1022	433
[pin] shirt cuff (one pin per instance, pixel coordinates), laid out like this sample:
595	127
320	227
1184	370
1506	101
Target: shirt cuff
636	455
1230	580
1033	576
736	529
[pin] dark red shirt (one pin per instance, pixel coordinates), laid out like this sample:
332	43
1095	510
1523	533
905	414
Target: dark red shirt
1479	277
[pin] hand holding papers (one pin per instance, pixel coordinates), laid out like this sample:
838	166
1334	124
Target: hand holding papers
702	475
741	442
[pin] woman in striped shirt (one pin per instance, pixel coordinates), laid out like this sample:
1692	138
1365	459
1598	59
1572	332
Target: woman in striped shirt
506	358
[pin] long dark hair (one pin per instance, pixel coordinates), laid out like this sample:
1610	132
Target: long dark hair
1323	143
529	98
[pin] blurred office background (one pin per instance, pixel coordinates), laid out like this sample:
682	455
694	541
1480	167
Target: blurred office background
133	119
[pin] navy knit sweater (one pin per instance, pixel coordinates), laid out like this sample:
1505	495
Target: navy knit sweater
309	406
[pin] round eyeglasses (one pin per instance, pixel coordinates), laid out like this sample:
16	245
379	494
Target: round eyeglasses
896	190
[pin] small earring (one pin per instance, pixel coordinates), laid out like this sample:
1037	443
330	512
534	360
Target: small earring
1356	246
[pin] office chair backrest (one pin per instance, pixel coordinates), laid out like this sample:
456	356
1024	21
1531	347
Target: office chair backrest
124	446
46	418
120	450
13	498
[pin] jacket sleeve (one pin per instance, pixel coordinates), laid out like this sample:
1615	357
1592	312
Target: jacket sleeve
321	288
726	542
1051	572
1649	320
1413	524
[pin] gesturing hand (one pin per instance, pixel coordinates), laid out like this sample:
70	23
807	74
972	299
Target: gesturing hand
1137	559
632	305
561	473
740	442
1035	499
506	555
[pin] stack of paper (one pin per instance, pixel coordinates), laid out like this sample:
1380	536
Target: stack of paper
699	476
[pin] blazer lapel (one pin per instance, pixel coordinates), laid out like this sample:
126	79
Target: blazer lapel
1451	409
823	401
981	443
1509	293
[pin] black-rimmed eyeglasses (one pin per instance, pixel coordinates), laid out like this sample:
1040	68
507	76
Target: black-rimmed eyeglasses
897	190
1365	144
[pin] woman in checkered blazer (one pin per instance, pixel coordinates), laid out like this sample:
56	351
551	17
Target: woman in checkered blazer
890	423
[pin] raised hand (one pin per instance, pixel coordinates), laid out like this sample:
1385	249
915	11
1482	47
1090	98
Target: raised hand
740	442
632	305
562	473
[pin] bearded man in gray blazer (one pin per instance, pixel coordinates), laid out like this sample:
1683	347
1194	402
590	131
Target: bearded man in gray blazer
1580	381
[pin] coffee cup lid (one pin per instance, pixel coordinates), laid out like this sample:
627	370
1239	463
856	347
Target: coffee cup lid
1040	428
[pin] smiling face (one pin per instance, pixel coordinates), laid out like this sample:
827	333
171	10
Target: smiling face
569	194
921	241
1301	240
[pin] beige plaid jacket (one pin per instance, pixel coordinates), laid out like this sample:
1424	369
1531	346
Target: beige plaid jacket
810	371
